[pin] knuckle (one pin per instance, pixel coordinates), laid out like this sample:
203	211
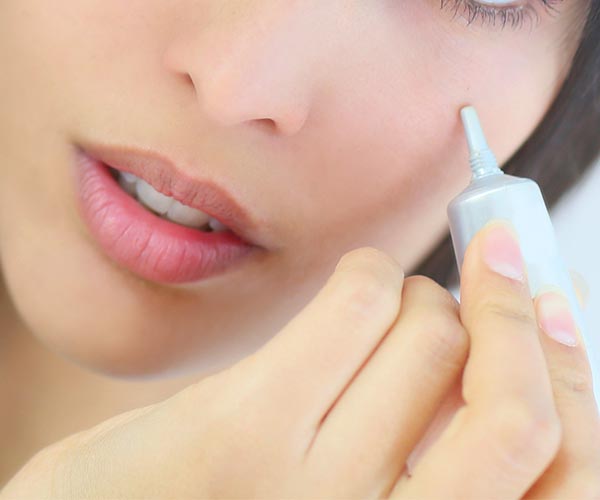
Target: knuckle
435	319
363	284
370	258
363	295
446	341
524	430
509	310
572	380
418	281
424	286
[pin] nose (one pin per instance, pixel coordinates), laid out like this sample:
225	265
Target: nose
250	64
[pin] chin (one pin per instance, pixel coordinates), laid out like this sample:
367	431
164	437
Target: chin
96	316
135	352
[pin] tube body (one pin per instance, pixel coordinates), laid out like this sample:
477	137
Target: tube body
519	200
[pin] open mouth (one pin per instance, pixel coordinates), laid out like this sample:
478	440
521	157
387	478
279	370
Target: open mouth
165	206
157	222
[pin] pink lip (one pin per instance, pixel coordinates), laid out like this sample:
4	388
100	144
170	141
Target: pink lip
146	244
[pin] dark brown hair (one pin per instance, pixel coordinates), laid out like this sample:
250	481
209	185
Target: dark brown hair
562	147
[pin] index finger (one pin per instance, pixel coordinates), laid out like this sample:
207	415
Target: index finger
508	432
311	361
507	363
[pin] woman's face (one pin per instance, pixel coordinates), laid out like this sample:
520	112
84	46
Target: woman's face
333	123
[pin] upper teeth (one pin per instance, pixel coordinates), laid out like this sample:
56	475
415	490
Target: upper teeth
167	207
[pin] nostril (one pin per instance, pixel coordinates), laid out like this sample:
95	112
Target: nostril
267	124
230	101
187	80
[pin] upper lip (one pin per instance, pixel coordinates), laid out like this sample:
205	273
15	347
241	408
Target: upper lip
162	174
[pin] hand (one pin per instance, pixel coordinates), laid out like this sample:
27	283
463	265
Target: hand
331	407
250	430
554	435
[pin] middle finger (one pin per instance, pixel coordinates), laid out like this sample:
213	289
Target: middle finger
387	407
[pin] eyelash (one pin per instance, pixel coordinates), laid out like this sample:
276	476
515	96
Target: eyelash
513	16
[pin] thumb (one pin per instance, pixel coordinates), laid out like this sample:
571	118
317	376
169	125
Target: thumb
581	287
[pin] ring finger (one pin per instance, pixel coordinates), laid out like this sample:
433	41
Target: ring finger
575	472
386	409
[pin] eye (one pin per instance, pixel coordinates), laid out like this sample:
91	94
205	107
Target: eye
498	3
499	13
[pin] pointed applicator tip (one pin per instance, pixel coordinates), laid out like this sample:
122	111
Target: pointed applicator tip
483	161
473	130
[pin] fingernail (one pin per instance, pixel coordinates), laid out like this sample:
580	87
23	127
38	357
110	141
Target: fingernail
555	318
501	251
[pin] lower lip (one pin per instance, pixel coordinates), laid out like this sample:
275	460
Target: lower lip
144	243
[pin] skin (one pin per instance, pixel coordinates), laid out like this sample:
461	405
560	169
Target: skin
526	429
353	103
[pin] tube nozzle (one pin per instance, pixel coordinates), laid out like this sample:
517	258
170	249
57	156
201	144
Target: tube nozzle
482	159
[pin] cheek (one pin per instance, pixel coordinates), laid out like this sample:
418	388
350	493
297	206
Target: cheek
68	56
66	71
390	126
511	85
397	108
510	75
